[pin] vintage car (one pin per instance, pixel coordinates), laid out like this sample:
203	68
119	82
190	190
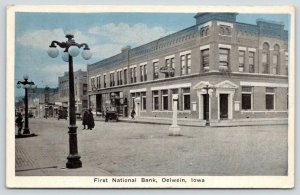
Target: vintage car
62	114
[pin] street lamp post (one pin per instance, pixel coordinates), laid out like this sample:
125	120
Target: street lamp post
71	49
26	85
208	89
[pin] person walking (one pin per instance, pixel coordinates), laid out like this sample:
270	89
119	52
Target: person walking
90	120
19	122
85	119
132	114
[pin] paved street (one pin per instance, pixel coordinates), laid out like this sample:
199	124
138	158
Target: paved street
126	149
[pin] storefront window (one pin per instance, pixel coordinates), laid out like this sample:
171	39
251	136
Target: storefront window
270	92
247	98
186	99
165	99
155	100
144	101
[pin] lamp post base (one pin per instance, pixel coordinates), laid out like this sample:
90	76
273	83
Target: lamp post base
73	162
174	130
26	131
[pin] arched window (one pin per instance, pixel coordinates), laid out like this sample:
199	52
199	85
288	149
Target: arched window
265	58
207	31
276	54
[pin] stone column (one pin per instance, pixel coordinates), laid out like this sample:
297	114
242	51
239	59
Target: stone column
174	129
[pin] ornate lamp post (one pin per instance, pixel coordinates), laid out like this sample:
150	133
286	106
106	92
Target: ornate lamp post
26	85
209	89
71	49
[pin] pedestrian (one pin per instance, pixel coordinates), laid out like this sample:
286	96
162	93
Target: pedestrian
19	122
84	118
132	114
90	120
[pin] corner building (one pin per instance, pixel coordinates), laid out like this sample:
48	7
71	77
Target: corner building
224	72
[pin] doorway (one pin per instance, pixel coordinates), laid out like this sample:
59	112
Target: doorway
223	106
205	106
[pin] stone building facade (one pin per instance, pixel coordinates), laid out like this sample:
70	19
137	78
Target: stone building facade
225	73
80	82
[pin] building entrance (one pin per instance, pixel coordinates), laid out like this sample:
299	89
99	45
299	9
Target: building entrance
223	106
205	106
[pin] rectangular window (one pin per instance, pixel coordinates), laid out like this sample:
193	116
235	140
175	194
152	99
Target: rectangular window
145	72
247	98
170	63
131	75
84	89
205	59
93	83
155	100
155	70
141	73
241	61
125	76
165	99
182	65
265	63
186	99
135	74
185	64
275	64
112	79
120	77
224	57
286	64
144	101
104	80
270	92
251	62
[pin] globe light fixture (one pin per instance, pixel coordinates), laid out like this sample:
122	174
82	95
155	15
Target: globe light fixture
71	49
65	56
53	52
25	76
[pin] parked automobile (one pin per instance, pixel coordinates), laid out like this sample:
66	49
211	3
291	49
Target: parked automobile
62	114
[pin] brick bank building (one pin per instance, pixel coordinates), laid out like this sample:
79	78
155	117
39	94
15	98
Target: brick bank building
224	72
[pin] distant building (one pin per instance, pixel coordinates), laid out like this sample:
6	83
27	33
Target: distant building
223	71
80	86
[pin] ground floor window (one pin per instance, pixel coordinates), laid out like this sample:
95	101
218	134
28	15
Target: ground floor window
247	98
165	99
144	101
186	99
270	92
155	100
175	91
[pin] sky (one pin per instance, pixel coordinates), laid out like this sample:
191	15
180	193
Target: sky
105	33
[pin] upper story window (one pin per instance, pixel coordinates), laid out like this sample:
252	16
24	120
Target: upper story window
155	70
205	59
224	57
265	58
241	61
276	54
119	77
104	81
286	63
185	64
112	79
98	81
169	62
125	76
133	74
225	30
93	82
143	72
204	31
251	61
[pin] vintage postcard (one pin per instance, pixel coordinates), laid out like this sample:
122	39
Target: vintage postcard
150	96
